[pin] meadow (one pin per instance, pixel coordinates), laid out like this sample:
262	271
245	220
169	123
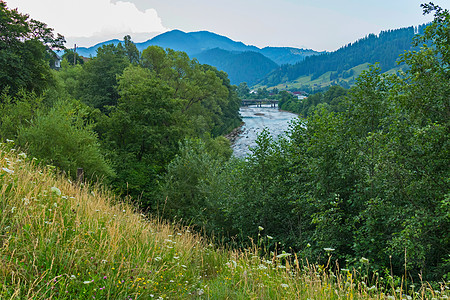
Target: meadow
66	240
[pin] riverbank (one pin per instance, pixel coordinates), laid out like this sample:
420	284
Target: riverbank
235	133
255	120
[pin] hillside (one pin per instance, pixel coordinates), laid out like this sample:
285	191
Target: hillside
241	66
384	49
193	43
62	240
244	63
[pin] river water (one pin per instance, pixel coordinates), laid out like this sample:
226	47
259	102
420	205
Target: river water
256	119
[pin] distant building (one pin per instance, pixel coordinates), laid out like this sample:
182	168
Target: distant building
299	94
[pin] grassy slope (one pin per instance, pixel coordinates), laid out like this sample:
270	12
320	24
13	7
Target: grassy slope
324	80
60	240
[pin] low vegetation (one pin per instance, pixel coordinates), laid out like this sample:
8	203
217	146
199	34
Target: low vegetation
352	203
65	240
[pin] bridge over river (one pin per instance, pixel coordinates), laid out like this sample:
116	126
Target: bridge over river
259	102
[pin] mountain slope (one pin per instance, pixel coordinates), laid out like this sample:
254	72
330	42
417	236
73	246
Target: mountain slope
384	48
287	55
241	66
193	43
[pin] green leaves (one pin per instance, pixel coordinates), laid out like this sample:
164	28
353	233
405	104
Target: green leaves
24	45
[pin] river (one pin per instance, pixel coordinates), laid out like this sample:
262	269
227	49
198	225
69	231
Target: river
256	119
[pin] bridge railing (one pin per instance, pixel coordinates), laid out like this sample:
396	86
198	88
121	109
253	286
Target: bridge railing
259	102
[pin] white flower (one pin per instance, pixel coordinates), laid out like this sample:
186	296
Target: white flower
88	281
8	170
269	237
9	141
262	267
284	285
329	249
23	155
260	228
72	277
12	209
55	190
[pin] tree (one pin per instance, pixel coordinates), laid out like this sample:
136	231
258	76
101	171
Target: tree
243	90
131	50
62	137
98	81
71	57
142	131
24	44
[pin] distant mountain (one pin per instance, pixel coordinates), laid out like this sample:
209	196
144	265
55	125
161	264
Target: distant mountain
92	51
384	49
287	55
203	45
245	66
193	43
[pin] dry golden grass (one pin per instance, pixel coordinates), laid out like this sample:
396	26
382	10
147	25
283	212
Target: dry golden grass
62	240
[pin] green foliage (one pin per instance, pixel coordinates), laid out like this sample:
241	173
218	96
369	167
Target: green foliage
384	49
332	98
97	82
366	174
17	111
63	138
131	50
72	57
23	52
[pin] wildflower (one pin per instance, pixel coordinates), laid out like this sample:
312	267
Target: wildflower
262	267
88	281
8	170
55	190
329	249
260	228
12	209
23	155
72	277
364	260
9	141
269	237
283	254
284	285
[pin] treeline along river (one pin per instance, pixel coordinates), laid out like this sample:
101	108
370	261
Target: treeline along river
256	119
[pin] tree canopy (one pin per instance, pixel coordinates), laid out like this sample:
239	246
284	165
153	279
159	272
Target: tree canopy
26	47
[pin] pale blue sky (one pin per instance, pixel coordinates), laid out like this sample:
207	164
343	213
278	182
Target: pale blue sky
313	24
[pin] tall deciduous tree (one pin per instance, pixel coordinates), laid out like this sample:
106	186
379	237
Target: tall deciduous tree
24	44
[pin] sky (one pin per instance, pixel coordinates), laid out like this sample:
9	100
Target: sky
321	25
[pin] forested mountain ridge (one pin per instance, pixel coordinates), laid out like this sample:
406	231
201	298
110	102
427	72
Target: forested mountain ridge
200	45
193	43
383	48
245	66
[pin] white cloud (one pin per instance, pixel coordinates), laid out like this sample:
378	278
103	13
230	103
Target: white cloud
86	18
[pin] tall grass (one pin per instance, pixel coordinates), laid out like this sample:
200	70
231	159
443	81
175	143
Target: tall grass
64	240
